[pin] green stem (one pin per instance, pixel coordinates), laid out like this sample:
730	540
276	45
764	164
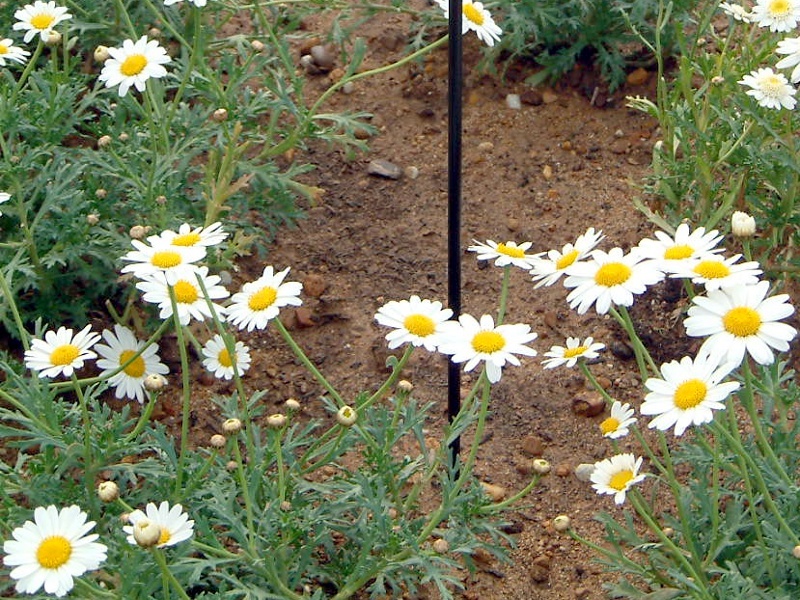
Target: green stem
168	576
144	418
88	454
26	73
643	358
595	384
248	501
501	311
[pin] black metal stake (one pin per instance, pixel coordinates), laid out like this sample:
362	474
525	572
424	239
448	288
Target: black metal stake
455	85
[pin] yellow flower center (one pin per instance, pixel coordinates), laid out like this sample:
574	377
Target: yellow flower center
64	355
164	537
133	65
419	325
609	425
263	298
566	260
136	368
42	21
165	259
712	269
473	14
573	352
779	8
187	239
511	251
690	393
772	86
53	552
742	321
185	292
678	252
3	49
619	481
611	274
224	358
488	342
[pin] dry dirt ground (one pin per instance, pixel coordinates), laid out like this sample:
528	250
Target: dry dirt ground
543	173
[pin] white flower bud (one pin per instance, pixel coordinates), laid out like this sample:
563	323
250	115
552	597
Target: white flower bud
405	386
92	218
541	466
146	533
292	405
257	45
231	426
742	224
346	416
796	552
217	441
137	232
101	54
441	546
53	38
155	382
101	193
276	421
219	115
123	137
562	523
103	141
108	491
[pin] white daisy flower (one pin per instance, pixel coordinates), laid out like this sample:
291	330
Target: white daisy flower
149	260
8	51
475	18
770	89
133	64
609	278
121	345
569	355
189	298
473	341
546	271
616	475
617	425
737	12
52	549
220	362
61	353
688	393
778	15
39	17
673	252
415	321
717	271
174	524
503	254
790	47
741	319
197	3
260	301
4	197
186	236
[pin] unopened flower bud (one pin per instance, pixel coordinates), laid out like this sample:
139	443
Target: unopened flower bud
217	441
257	45
441	546
146	533
137	232
123	137
155	382
292	404
108	491
103	141
286	506
562	523
101	54
161	200
53	38
276	421
346	416
154	32
231	465
717	80
541	466
231	426
101	193
219	115
124	517
92	218
796	552
405	386
742	224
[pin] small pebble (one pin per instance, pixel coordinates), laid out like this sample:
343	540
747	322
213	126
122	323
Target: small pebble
495	492
584	472
588	404
348	88
322	57
411	172
384	168
513	101
486	146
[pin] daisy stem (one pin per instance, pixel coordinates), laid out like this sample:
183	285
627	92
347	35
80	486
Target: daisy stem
248	501
493	508
167	576
12	306
595	384
26	73
483	412
277	448
501	311
746	396
298	352
144	418
186	391
88	468
40	424
194	52
678	553
390	381
93	591
643	358
122	15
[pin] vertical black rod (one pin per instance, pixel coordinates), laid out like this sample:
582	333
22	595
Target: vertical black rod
455	85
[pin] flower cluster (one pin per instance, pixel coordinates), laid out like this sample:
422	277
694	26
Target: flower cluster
54	548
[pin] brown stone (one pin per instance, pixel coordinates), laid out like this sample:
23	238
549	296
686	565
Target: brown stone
532	446
314	285
588	404
304	316
638	76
